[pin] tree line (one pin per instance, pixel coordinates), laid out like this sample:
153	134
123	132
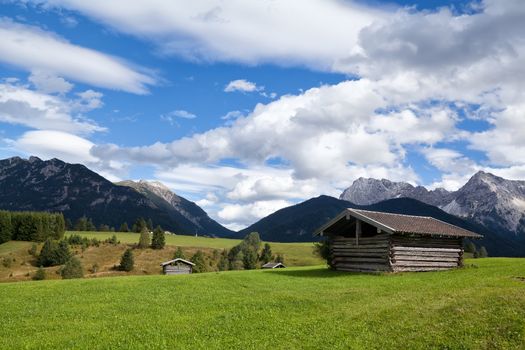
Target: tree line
30	226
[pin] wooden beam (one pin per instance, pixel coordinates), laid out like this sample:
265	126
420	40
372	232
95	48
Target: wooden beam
357	231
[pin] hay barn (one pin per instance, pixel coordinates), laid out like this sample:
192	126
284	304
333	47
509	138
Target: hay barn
369	241
177	267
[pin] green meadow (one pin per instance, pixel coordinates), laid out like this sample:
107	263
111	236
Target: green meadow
477	307
296	254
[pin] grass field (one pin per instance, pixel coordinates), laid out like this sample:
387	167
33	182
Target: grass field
479	307
23	265
296	254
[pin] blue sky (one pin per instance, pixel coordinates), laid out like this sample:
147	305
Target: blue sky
246	107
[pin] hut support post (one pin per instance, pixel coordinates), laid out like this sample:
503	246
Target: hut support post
357	231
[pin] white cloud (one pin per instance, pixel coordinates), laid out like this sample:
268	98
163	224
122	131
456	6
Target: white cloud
315	33
37	50
23	106
242	85
172	116
56	144
49	83
238	216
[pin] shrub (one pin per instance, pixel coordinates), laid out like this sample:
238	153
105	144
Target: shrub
72	269
144	239
159	240
223	264
126	261
322	249
40	274
179	254
483	252
33	250
199	261
279	258
113	240
7	262
94	268
124	227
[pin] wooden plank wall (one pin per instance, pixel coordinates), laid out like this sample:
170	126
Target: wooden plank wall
371	254
424	253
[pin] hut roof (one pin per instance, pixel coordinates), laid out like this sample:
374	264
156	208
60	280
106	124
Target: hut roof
177	260
400	223
272	265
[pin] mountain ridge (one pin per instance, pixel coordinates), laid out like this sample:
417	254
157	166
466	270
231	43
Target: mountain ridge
75	190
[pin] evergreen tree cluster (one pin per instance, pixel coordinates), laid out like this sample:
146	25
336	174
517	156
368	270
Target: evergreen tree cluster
470	247
31	226
54	253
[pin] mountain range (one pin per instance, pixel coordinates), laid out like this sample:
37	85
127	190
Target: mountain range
489	200
76	191
487	204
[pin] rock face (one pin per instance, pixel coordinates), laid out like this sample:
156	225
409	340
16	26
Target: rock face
76	191
185	212
369	191
492	201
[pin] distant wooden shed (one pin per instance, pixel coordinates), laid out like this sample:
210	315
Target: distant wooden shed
370	241
177	267
273	265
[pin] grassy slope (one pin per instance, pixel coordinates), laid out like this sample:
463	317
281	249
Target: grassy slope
147	261
296	254
472	308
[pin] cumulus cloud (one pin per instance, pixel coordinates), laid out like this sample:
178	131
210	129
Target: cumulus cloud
22	106
49	83
242	85
37	50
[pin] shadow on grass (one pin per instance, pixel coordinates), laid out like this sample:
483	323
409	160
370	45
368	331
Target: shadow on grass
317	273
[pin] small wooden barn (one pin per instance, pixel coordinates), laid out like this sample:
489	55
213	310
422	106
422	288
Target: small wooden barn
370	241
273	265
177	267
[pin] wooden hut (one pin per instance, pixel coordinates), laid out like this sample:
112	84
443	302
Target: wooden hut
177	267
273	265
370	241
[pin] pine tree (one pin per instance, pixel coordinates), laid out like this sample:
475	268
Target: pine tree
266	254
179	254
124	227
470	247
139	225
249	260
6	229
483	252
81	224
46	256
144	239
72	269
61	254
40	274
199	261
127	261
60	226
149	224
159	240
